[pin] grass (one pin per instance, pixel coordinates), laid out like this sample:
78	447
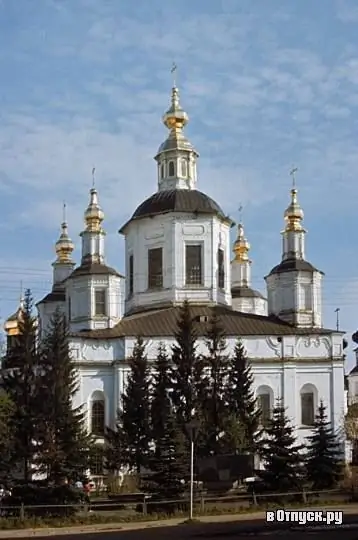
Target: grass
108	518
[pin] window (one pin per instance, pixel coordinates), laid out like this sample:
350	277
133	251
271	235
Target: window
155	268
306	297
171	168
97	417
307	409
184	168
100	302
69	309
221	269
131	274
162	170
193	264
97	461
264	405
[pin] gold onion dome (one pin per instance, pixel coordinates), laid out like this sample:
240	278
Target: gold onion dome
64	245
294	213
241	245
175	118
94	214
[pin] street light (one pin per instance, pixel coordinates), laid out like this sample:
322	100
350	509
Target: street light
192	428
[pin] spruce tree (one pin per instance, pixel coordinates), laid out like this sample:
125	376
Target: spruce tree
21	383
116	447
187	369
6	436
135	416
215	411
323	459
64	449
169	463
280	454
241	399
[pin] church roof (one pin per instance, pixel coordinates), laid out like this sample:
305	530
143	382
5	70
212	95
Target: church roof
162	322
245	292
92	268
56	295
177	200
290	265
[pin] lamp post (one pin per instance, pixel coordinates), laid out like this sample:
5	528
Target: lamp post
192	430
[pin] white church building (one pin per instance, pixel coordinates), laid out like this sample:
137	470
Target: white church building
177	247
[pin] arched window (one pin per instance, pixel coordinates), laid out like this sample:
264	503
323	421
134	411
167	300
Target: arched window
171	168
162	170
265	404
184	168
308	396
97	461
97	416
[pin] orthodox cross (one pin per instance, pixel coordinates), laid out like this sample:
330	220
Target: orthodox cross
173	71
293	173
64	213
93	177
240	213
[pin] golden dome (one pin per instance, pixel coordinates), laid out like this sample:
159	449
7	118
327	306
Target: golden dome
64	245
11	325
241	246
175	118
294	214
94	214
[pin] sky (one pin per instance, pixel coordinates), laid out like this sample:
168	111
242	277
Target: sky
267	84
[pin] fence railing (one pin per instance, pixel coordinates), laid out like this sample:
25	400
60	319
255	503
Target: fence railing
145	505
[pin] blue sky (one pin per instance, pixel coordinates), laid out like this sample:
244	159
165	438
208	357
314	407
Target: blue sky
267	84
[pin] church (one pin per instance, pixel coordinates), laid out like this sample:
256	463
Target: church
177	248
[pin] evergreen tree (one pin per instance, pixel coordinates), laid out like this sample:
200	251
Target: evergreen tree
280	454
215	411
64	449
6	436
135	416
323	458
187	369
241	399
116	447
21	383
169	463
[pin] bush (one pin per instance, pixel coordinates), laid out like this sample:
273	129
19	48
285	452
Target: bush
56	501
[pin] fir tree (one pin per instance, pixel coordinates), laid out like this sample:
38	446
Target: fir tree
6	436
215	410
116	447
64	449
280	454
21	383
241	399
135	416
187	369
323	458
169	464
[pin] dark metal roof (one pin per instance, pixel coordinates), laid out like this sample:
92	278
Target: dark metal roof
354	370
58	295
94	268
177	200
245	292
163	323
290	265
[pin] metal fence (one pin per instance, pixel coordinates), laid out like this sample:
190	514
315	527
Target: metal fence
143	505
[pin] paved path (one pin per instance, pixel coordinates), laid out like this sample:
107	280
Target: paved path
233	526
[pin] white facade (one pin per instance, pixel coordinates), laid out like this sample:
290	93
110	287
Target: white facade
293	358
172	233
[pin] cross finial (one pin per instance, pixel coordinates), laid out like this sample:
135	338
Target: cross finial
293	175
173	72
241	208
64	212
93	177
21	292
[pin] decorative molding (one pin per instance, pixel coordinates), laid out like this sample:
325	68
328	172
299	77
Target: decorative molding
193	230
274	345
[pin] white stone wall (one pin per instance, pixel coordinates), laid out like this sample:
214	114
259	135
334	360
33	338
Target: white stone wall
46	311
254	305
172	233
80	295
296	297
283	367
